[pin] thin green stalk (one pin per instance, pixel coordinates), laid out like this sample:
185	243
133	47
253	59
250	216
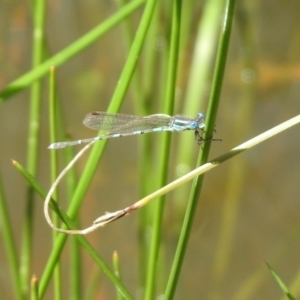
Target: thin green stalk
53	130
34	288
169	104
10	247
63	56
75	257
197	183
32	146
280	282
116	264
54	174
219	69
61	239
145	163
76	271
236	179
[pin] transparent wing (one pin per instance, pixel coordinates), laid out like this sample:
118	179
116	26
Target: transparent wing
123	123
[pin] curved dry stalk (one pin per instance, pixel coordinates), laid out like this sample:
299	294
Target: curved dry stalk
54	185
110	217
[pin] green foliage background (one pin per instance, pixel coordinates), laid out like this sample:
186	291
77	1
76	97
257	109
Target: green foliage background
249	207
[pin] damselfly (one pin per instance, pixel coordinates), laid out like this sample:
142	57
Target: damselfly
118	125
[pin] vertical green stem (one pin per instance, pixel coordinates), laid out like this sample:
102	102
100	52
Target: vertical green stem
54	173
116	265
236	179
169	104
34	288
75	254
32	147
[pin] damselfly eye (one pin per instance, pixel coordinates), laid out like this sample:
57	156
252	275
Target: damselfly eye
201	116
